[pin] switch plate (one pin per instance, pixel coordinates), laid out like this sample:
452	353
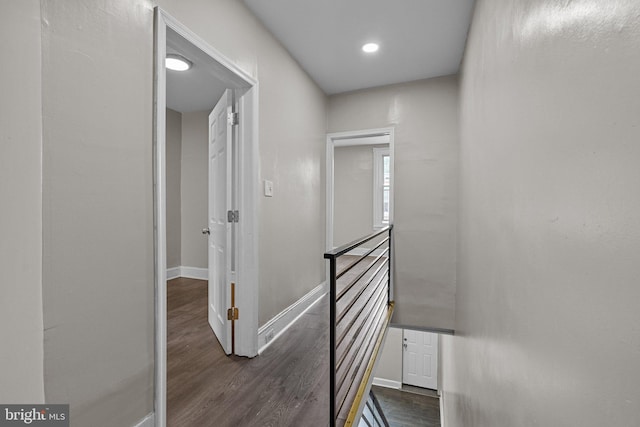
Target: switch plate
268	188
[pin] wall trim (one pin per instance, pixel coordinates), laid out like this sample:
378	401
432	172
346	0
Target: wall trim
416	328
194	273
383	382
188	272
275	327
147	421
173	273
378	186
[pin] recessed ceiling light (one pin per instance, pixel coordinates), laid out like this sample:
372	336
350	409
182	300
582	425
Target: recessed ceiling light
370	47
177	62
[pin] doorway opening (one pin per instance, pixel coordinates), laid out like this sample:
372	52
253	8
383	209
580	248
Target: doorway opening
407	379
212	77
359	184
359	187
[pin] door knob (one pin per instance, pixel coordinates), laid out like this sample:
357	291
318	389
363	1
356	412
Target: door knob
405	346
206	231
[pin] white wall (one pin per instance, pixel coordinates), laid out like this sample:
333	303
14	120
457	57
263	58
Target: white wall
353	193
21	351
194	188
174	203
425	117
548	292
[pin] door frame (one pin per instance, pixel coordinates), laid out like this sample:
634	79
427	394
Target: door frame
348	139
247	279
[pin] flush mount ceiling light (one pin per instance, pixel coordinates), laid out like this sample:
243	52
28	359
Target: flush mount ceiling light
370	47
177	62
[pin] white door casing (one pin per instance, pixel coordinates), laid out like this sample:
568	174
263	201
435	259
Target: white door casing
246	90
219	239
420	359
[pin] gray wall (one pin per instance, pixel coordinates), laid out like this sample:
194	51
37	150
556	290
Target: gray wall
194	188
548	292
21	374
425	117
174	170
292	138
97	198
353	193
98	209
390	364
187	188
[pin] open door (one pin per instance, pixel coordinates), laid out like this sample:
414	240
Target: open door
220	202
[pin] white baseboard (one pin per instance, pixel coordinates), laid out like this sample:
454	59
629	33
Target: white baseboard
275	327
188	272
382	382
147	421
173	273
194	273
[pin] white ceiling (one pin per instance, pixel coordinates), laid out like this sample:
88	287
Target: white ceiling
418	38
197	89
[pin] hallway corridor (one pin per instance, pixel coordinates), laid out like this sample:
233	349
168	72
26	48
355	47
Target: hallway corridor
287	385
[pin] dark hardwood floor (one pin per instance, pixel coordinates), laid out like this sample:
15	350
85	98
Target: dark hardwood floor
287	385
405	409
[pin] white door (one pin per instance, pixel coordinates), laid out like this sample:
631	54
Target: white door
420	360
220	193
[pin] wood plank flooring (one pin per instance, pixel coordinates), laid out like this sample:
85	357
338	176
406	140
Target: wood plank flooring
405	409
287	385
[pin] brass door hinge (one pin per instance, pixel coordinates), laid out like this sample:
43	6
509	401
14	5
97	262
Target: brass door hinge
232	313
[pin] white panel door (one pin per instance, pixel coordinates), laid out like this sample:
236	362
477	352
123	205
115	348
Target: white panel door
420	360
220	249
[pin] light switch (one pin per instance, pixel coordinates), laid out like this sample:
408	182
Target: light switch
268	188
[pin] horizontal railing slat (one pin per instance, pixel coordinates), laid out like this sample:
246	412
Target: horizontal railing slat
344	306
342	350
343	327
361	258
356	243
356	357
359	276
360	309
359	369
346	280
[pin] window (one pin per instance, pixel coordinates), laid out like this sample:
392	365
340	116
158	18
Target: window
381	187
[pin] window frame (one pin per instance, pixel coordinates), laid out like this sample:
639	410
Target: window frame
378	187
